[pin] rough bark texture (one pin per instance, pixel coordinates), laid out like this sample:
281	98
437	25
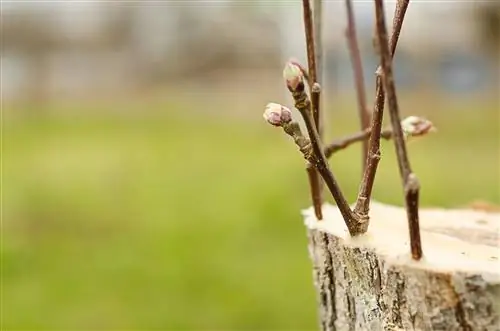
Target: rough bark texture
371	282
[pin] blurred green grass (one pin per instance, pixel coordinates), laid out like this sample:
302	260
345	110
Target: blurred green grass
192	222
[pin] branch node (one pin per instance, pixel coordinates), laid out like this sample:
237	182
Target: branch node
375	156
412	183
363	218
316	88
317	156
361	204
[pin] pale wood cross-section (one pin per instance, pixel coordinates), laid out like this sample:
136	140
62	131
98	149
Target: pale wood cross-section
371	283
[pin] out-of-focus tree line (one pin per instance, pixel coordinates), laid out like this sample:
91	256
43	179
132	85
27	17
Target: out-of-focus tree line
79	50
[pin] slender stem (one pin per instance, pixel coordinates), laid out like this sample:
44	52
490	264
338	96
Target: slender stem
316	94
318	37
412	189
357	66
316	184
363	201
355	224
314	179
410	182
315	188
345	142
413	127
319	52
304	144
293	130
310	45
315	102
397	23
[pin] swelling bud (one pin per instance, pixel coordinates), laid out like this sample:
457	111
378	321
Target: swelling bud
277	115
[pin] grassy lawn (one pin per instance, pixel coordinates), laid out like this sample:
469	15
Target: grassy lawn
178	222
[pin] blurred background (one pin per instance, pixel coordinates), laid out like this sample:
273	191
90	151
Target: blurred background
142	188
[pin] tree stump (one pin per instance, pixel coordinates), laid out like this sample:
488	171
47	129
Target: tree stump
371	282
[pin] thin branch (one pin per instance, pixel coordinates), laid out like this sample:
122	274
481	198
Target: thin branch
315	188
319	52
357	66
410	181
315	156
315	102
363	201
315	182
345	142
314	178
318	37
320	162
315	185
311	53
397	23
413	126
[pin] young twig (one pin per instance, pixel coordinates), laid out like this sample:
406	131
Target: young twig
363	201
315	184
397	23
318	38
345	142
312	151
318	52
315	190
311	54
314	178
413	126
357	66
410	181
295	83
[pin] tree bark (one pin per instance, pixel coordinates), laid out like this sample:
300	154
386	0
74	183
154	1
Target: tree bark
371	283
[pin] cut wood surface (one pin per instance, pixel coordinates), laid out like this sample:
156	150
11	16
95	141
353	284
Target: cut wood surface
370	282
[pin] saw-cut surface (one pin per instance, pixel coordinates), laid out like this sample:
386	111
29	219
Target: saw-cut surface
370	282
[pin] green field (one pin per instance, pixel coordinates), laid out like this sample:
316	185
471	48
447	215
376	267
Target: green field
192	222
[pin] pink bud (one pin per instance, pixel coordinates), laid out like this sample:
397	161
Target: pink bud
416	126
293	75
277	115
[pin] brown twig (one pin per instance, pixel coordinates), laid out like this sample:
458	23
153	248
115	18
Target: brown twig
357	66
397	23
316	184
318	37
345	142
413	126
315	190
363	201
311	53
355	224
410	181
318	52
314	178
